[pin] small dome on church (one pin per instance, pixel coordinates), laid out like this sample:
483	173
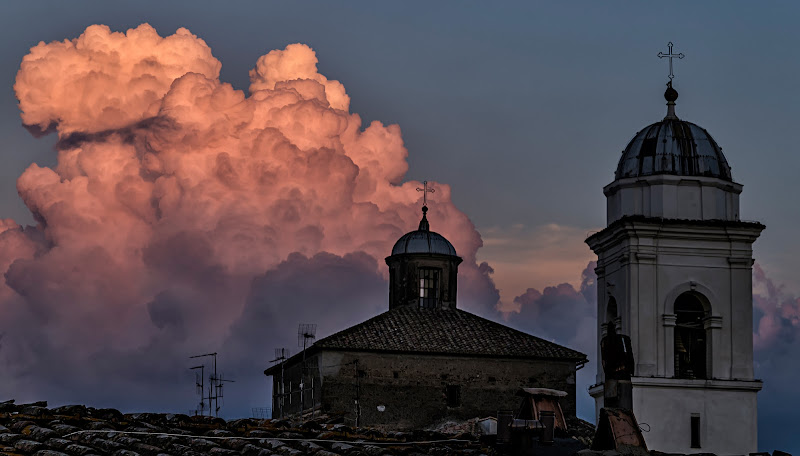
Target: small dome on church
423	240
673	146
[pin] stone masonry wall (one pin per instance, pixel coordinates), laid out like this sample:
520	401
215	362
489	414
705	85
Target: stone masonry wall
414	388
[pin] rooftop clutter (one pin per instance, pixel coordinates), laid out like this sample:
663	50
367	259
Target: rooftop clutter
79	430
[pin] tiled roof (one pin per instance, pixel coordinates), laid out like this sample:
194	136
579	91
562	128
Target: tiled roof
450	331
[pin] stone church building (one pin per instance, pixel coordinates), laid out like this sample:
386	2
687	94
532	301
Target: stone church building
674	274
424	359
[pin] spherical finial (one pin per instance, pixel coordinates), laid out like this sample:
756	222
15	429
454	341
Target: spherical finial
670	94
423	224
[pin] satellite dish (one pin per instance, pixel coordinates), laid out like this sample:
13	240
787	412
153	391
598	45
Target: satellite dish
381	408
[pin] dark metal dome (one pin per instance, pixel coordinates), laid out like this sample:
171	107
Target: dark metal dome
423	240
673	146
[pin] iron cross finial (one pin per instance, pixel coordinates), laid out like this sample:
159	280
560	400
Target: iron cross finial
425	190
670	56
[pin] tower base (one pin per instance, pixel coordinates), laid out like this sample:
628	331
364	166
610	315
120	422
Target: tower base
694	416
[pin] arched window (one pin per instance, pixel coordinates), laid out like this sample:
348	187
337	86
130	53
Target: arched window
429	288
690	337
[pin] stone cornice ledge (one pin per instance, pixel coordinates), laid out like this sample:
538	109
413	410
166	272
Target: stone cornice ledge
712	322
737	385
742	231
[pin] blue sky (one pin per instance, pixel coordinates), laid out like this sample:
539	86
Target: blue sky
522	108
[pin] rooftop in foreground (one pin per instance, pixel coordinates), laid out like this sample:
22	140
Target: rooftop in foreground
34	429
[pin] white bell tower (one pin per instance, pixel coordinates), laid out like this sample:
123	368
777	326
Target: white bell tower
674	274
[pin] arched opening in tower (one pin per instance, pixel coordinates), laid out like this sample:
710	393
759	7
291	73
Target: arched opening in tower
690	337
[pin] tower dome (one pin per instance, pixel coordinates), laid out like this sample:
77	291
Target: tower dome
673	169
673	146
423	269
423	240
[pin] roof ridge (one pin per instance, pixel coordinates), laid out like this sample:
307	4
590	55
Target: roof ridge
381	323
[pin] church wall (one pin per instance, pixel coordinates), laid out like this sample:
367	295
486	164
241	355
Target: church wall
689	196
414	388
741	291
646	266
735	434
645	273
727	412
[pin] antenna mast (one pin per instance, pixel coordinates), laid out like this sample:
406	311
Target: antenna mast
198	382
215	383
305	332
278	397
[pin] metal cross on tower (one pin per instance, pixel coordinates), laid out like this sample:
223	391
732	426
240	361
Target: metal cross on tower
670	56
425	190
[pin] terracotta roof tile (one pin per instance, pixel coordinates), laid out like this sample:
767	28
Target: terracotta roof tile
409	329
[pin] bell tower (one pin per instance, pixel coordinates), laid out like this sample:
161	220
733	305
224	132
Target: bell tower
674	274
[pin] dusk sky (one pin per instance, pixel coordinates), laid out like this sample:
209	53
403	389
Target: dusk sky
517	112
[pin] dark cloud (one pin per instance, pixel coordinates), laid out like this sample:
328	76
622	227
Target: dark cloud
166	313
566	316
330	291
333	292
777	349
777	313
477	292
561	313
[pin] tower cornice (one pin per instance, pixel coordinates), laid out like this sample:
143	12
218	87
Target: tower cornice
639	226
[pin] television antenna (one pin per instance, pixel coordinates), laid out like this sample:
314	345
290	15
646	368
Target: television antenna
305	332
281	355
198	382
215	384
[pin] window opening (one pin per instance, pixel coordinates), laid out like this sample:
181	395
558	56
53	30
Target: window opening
695	424
690	338
454	395
428	288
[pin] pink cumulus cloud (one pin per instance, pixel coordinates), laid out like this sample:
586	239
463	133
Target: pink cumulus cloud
777	312
174	193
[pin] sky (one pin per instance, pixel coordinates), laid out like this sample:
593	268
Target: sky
156	232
